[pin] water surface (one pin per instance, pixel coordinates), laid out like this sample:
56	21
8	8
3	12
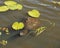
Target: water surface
48	10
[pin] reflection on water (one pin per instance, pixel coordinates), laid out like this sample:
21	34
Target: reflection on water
49	11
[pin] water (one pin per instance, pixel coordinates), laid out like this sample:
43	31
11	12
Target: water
49	11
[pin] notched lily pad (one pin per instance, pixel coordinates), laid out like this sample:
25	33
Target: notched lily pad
18	25
34	13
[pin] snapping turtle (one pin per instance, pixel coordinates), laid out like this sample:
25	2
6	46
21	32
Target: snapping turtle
30	24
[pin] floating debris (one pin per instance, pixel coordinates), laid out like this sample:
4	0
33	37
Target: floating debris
3	8
7	31
24	32
58	3
4	28
40	30
34	13
18	25
3	42
0	33
55	2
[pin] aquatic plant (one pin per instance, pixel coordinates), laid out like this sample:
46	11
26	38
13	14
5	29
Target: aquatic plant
34	13
3	8
18	25
19	6
12	5
9	3
15	7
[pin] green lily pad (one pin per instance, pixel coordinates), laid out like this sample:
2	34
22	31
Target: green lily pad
9	3
3	8
34	13
18	25
19	6
12	7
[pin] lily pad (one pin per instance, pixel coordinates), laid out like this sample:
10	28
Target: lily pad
3	8
9	3
19	6
34	13
12	7
18	25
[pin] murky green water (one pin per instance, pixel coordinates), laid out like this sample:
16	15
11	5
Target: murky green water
48	10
